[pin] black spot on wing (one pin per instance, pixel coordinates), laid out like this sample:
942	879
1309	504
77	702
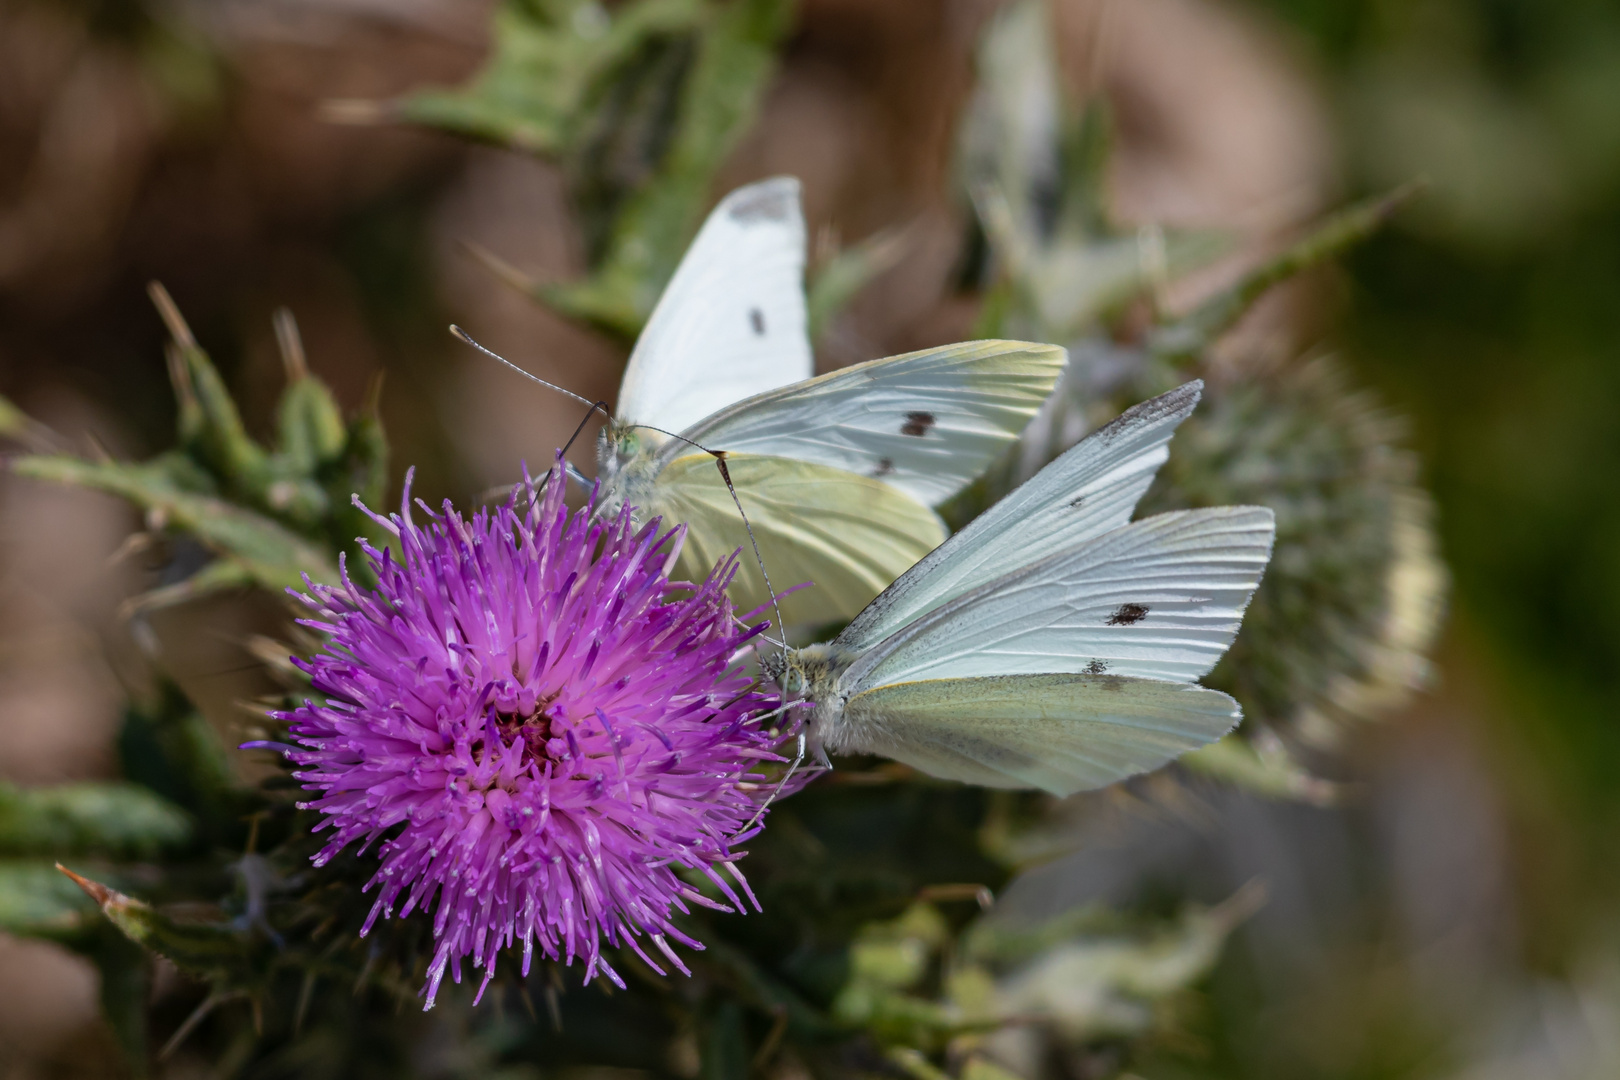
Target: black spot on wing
756	319
917	424
1128	614
885	467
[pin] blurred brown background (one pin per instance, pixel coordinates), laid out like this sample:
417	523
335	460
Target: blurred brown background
1441	925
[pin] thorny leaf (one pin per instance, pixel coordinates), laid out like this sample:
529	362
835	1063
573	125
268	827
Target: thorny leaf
208	950
1082	975
38	902
1338	233
652	210
273	556
211	428
311	430
1035	168
552	64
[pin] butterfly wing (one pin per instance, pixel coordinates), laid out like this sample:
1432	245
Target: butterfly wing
731	322
926	422
1089	490
1059	733
1160	598
849	535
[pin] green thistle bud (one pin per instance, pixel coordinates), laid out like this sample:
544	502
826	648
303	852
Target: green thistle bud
1339	628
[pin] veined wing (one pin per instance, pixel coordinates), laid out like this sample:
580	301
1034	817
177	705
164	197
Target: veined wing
926	422
731	322
1059	733
849	535
1089	490
1160	598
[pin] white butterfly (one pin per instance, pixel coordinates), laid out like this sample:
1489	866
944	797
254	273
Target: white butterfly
1053	643
836	474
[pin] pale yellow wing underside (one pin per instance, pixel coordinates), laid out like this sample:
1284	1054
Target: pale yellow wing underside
850	535
1059	733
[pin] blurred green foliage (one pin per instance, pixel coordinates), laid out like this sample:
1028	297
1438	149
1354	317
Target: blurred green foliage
109	818
1491	318
640	103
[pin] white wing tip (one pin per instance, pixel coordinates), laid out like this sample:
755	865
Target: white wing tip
773	199
1263	516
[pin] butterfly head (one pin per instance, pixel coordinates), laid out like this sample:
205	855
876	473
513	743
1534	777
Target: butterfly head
812	674
625	467
618	444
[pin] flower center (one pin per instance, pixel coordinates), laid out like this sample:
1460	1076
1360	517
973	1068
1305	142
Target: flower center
535	729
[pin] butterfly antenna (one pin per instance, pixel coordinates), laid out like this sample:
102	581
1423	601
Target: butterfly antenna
725	474
774	641
594	406
770	590
468	338
602	405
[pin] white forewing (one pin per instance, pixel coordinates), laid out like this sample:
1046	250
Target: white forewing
732	321
1060	733
1160	598
1089	490
927	422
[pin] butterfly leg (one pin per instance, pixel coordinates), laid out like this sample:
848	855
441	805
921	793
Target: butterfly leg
576	476
798	759
817	750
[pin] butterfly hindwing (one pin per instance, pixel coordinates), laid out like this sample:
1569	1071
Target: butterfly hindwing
1059	733
849	535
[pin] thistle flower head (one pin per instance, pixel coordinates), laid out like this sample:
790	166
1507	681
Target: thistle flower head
539	727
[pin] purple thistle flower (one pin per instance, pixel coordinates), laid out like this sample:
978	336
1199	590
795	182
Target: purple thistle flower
540	727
